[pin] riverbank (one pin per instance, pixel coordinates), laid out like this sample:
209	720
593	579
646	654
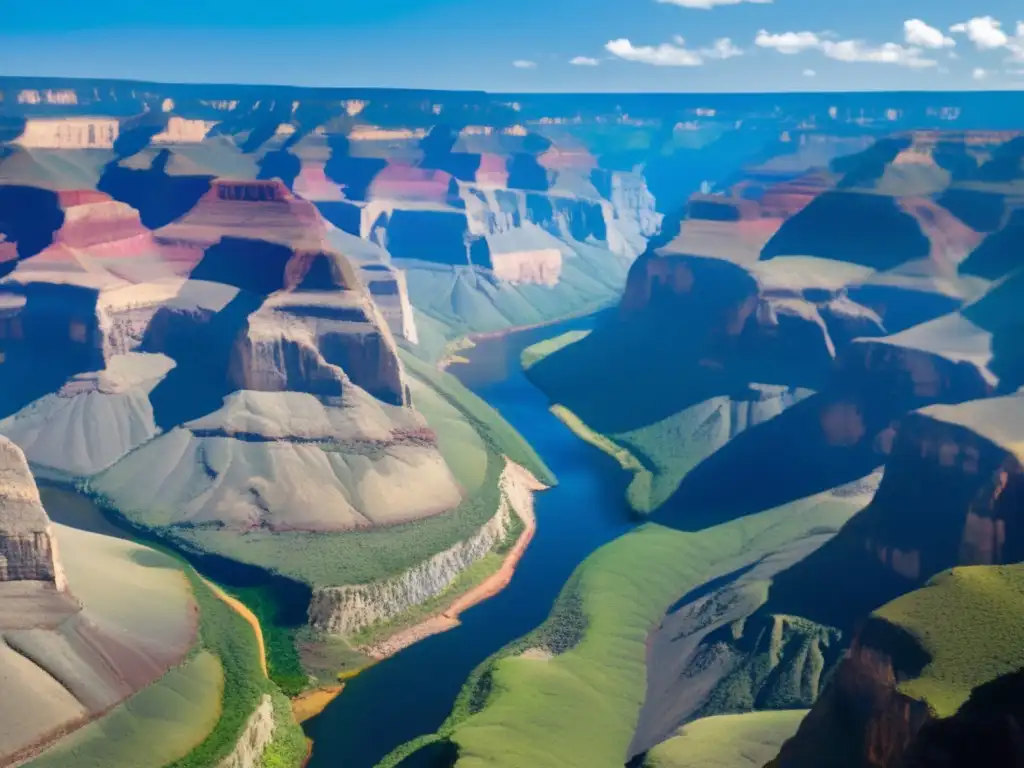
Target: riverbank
517	486
243	610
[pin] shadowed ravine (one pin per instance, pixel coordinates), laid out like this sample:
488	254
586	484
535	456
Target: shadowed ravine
412	693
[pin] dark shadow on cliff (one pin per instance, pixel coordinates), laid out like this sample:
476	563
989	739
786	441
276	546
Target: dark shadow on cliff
56	337
29	218
856	227
988	731
1000	253
354	174
159	197
781	460
202	343
438	154
863	168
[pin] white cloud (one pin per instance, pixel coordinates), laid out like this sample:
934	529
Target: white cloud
809	73
584	61
674	54
706	5
984	31
979	73
788	42
524	64
887	53
917	32
722	48
664	55
791	43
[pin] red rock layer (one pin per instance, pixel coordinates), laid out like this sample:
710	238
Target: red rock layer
861	720
405	182
493	171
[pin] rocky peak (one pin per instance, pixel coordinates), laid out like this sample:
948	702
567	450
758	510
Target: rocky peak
28	549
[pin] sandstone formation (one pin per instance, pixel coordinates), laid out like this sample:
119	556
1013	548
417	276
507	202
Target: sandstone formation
28	548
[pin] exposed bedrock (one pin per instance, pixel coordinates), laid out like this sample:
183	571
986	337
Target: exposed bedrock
255	738
346	610
751	317
952	494
257	315
714	652
862	720
285	461
933	679
28	548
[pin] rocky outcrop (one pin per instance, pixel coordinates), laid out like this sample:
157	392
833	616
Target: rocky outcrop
863	720
28	547
934	678
960	463
347	610
70	133
257	735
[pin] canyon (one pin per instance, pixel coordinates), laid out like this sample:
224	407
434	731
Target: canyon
225	318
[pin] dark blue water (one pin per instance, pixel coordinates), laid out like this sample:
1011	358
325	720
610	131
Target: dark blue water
412	693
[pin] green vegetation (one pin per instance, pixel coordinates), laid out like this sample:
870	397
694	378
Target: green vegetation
579	708
542	349
970	621
639	492
329	658
289	747
162	722
283	662
193	716
500	436
728	741
227	635
784	662
654	415
355	557
465	581
454	303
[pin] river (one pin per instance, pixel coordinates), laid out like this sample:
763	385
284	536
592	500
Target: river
412	693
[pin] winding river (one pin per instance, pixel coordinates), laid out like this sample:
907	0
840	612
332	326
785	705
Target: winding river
412	693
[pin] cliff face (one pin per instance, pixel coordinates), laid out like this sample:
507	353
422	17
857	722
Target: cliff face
258	733
862	720
951	496
28	548
346	610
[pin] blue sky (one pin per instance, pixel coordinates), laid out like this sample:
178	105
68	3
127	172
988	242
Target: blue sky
527	45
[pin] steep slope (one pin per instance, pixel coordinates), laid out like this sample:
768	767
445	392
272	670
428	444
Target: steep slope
85	620
932	679
262	409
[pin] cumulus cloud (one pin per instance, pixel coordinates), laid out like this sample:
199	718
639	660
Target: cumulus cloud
674	54
788	42
792	43
810	73
984	31
887	53
524	64
979	73
664	55
706	5
917	32
584	61
722	48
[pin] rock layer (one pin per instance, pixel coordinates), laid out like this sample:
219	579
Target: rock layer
28	549
346	610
